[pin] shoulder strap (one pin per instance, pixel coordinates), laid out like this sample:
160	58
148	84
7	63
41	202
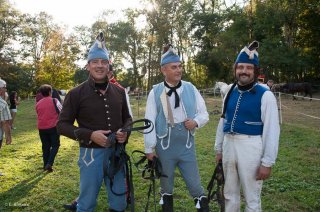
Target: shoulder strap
54	100
226	100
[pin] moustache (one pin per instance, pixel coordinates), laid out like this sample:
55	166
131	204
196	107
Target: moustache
240	75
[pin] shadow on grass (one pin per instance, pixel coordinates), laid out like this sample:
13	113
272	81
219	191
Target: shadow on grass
11	199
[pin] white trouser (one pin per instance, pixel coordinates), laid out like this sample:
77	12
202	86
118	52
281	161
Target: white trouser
241	160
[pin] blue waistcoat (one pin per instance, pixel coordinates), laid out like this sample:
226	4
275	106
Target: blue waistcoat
243	114
188	99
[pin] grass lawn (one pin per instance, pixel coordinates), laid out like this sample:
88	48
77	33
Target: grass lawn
294	185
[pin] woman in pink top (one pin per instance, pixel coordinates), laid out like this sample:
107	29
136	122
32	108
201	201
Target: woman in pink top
48	110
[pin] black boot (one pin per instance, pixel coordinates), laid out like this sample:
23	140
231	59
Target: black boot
167	205
202	204
72	206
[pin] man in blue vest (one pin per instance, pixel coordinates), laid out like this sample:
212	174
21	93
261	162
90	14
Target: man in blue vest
177	109
247	136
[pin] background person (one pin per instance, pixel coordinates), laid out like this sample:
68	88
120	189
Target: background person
247	136
270	83
176	108
47	118
5	116
14	102
54	94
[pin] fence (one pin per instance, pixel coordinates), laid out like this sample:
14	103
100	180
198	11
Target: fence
301	111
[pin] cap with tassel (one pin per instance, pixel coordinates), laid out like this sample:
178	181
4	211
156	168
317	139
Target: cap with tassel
98	50
170	55
249	54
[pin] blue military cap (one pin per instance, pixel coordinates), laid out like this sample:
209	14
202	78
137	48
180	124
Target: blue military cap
170	56
249	54
98	50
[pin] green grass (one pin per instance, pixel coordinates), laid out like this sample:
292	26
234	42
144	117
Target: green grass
294	185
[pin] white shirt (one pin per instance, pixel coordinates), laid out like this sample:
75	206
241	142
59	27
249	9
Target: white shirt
271	130
4	110
201	117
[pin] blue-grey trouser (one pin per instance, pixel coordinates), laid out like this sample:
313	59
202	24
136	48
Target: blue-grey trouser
91	162
178	150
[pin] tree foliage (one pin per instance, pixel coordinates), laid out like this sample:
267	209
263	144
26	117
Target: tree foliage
9	22
207	33
56	66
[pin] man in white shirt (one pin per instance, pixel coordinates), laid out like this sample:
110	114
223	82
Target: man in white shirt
5	116
247	137
176	108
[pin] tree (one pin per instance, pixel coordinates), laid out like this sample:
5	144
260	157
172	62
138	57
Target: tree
9	22
308	38
80	76
34	33
126	43
219	38
281	30
57	66
17	78
207	33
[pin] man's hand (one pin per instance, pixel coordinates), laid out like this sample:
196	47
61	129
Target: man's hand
190	124
150	156
99	137
121	136
263	173
218	157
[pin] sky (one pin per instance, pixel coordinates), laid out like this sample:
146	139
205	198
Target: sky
73	12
